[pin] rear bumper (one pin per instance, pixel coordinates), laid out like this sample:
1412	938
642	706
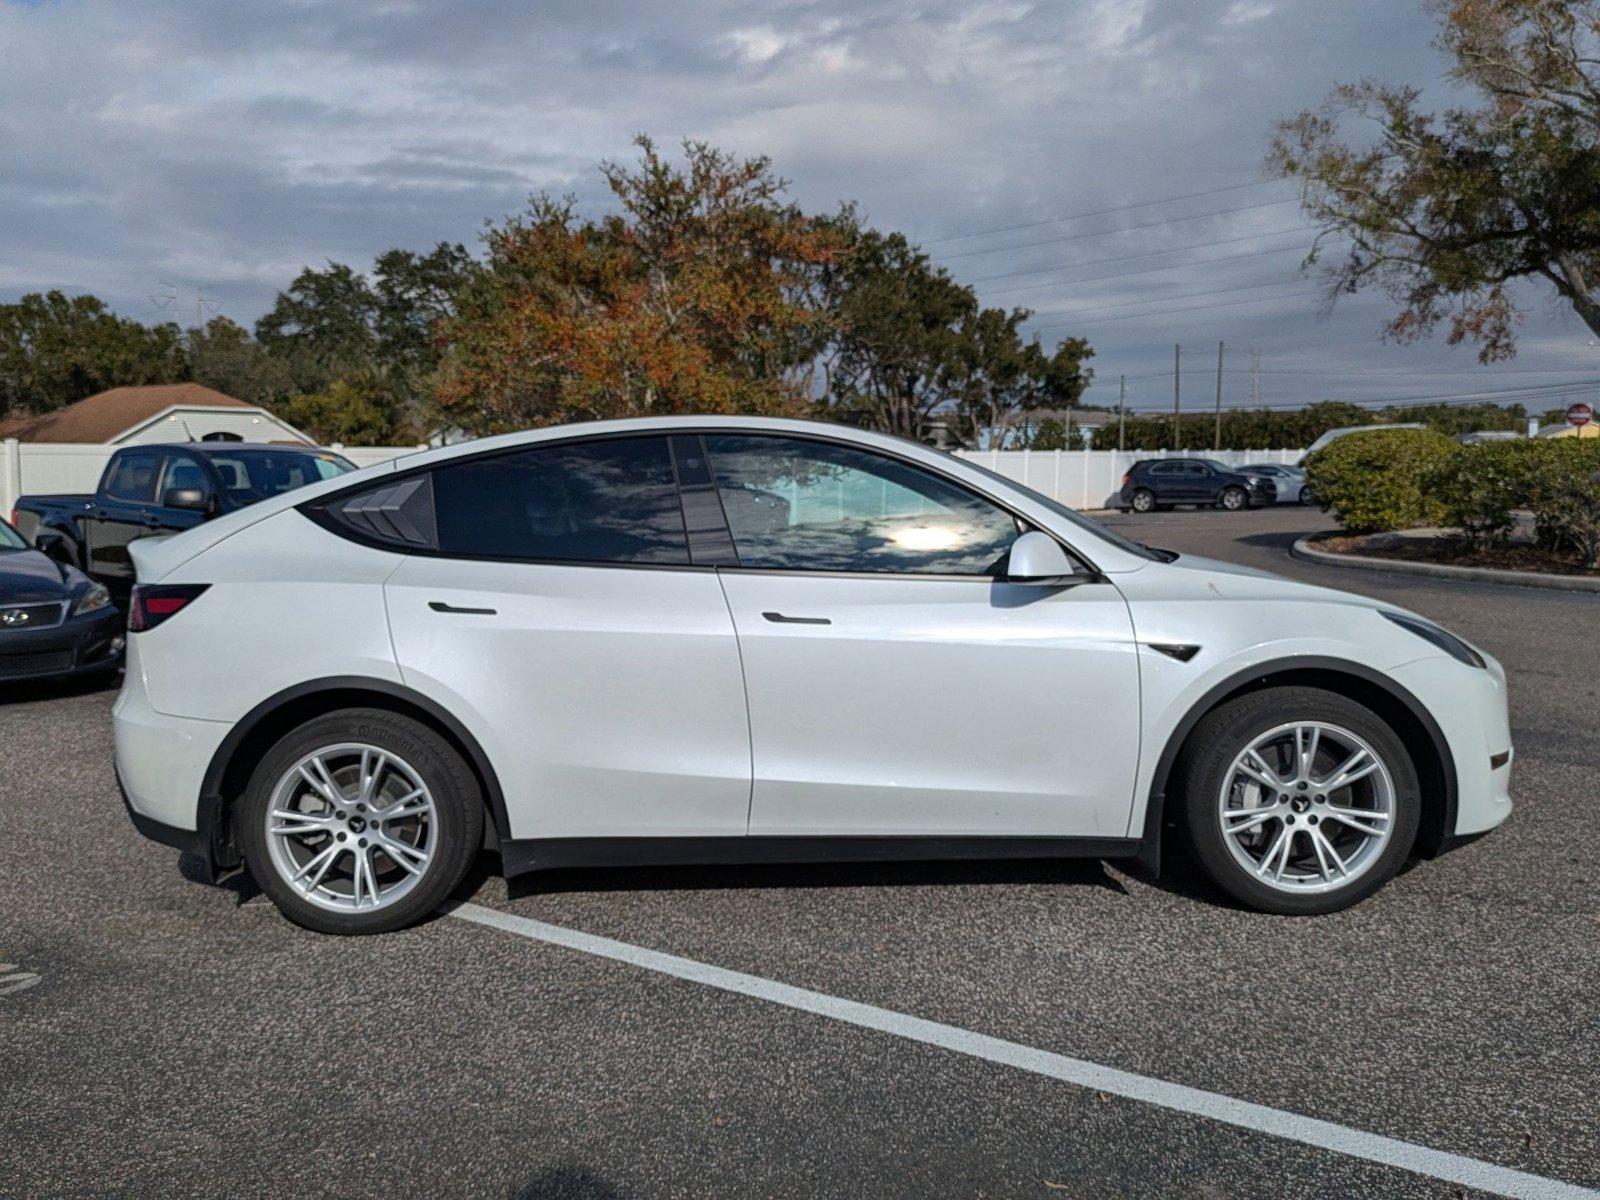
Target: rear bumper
161	761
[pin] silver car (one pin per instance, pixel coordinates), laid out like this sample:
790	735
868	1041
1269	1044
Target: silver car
1291	481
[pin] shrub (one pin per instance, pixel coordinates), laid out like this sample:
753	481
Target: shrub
1478	487
1563	490
1376	481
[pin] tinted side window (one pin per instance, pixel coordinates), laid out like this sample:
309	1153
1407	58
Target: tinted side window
612	500
1166	469
814	506
184	472
134	476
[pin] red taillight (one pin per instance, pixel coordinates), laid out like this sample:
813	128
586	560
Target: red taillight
1126	477
15	513
154	603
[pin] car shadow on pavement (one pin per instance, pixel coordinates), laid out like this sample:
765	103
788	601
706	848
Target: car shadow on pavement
567	1183
32	691
1076	872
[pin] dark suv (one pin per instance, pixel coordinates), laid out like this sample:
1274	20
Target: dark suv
1154	483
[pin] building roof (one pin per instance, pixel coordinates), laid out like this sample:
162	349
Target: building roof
103	416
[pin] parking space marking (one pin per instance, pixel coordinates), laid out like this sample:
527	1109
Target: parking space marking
14	980
1177	1097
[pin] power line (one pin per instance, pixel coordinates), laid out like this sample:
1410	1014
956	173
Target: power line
1248	287
1078	237
1102	212
1099	262
1170	311
1205	262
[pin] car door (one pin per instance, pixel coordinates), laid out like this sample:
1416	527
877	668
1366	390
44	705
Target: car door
1196	483
124	509
562	620
897	686
1166	481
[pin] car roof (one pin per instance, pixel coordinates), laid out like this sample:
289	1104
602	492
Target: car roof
229	447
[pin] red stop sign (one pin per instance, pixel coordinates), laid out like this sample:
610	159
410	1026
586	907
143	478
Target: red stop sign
1580	414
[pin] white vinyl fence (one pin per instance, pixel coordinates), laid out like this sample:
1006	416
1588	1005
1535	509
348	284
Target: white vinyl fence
1089	479
29	468
1085	479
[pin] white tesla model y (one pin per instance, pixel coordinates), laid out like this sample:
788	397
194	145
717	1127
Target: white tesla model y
690	640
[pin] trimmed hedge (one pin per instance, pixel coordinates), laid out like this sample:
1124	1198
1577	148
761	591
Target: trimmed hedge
1379	480
1402	478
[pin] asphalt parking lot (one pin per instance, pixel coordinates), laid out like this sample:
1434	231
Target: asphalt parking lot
162	1037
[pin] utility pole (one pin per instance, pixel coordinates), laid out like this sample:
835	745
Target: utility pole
1177	355
1217	443
1255	377
1122	409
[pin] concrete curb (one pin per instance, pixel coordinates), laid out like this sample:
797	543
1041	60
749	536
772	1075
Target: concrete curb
1304	551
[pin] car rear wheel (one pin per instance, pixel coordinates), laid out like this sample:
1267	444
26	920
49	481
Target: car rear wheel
360	821
1305	495
1234	498
1299	800
1144	500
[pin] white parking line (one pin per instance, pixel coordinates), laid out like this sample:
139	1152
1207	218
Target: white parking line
1326	1135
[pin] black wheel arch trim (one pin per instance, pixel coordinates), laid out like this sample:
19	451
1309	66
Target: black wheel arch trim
211	793
1155	810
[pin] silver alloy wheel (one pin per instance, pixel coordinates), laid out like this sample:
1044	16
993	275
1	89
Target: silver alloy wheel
1233	499
351	827
1307	807
1143	501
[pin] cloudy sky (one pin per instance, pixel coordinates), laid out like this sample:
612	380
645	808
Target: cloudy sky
153	146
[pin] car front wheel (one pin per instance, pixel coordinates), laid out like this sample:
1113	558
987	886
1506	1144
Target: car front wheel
1305	495
1299	800
1233	499
360	821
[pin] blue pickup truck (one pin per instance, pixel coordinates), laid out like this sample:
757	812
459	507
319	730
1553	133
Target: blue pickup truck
147	491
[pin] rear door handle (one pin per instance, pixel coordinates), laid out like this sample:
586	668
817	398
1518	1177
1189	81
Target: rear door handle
780	619
441	606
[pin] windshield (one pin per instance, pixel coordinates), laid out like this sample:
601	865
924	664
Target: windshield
251	475
1087	524
10	539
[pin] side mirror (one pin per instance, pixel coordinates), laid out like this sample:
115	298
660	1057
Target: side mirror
52	545
1037	558
194	498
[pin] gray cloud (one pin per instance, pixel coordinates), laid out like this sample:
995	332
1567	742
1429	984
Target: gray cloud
226	146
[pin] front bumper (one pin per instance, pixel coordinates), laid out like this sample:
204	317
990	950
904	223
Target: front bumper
78	646
1470	708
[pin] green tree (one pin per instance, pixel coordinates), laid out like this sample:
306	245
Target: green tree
910	344
360	409
1445	210
56	349
224	356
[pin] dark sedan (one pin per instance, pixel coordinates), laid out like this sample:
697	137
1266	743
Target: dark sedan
1154	483
54	620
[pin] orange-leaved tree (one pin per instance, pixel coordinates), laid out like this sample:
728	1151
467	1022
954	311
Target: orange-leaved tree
699	296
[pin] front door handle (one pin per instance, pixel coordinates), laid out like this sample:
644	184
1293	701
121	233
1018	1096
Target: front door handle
441	606
780	619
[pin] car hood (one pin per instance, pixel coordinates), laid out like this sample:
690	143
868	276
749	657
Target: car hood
29	576
1220	580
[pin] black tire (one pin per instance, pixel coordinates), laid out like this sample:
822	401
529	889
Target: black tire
1143	501
1305	495
458	808
1224	733
1234	499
